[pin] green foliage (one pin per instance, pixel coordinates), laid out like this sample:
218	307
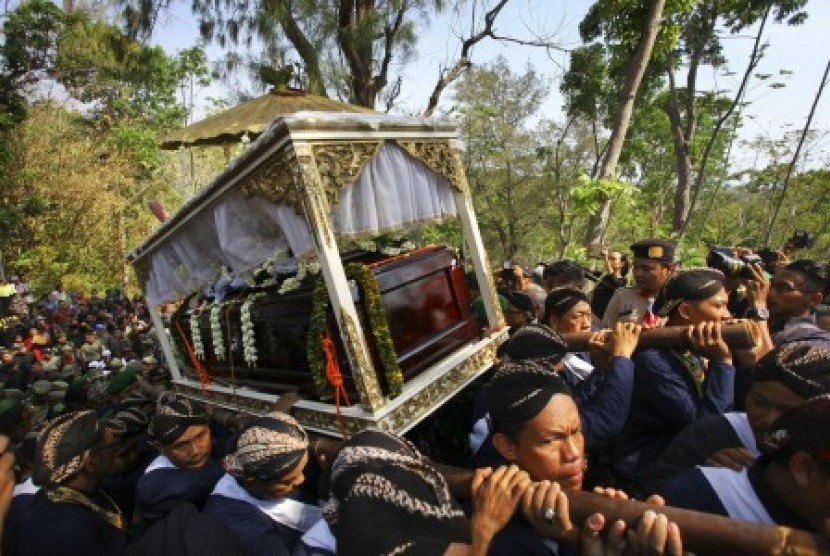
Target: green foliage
141	143
501	153
30	45
121	77
89	173
26	54
620	24
446	233
588	194
587	85
740	14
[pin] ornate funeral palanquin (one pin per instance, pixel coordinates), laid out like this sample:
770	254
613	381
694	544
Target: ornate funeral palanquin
426	303
314	184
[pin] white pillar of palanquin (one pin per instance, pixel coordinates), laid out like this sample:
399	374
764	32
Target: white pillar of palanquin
166	345
317	210
469	224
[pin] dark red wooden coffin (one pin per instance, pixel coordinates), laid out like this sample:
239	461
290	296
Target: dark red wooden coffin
427	307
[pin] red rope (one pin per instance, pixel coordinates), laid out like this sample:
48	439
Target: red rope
335	378
204	377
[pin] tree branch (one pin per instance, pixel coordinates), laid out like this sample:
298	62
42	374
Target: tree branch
389	32
797	152
306	50
345	24
541	43
448	75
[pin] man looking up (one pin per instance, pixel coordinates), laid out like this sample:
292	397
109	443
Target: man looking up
653	264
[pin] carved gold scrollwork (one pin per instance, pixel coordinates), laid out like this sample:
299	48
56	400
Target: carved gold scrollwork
314	205
439	157
439	390
435	393
341	163
363	371
278	180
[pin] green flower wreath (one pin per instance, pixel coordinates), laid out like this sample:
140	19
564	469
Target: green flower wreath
377	321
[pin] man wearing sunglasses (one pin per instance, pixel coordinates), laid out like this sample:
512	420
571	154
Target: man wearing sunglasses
795	292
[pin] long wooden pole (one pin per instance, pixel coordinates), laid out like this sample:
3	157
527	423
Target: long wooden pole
737	336
703	533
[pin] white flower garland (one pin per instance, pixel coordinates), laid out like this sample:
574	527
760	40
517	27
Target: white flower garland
367	245
305	269
196	335
248	334
391	251
216	332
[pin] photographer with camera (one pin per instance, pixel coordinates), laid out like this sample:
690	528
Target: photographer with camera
788	301
795	292
747	283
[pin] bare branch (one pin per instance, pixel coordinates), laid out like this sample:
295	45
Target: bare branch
391	95
541	43
448	75
797	152
754	59
390	32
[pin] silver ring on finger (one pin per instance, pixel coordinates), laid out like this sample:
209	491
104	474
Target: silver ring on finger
549	514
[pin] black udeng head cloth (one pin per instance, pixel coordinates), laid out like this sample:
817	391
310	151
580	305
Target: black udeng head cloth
518	392
128	422
800	366
174	415
64	446
386	498
694	284
535	342
268	448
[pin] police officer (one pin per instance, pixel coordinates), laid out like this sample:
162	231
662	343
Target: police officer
653	264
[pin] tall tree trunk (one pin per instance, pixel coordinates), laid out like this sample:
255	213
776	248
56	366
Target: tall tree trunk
682	144
797	152
561	194
636	69
754	58
305	49
683	129
353	19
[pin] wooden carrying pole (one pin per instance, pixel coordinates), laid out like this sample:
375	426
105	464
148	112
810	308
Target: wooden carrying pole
703	533
736	335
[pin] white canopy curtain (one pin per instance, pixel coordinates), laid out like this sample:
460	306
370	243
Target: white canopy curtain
393	191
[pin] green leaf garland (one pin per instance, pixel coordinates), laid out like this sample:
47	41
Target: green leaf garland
377	321
316	329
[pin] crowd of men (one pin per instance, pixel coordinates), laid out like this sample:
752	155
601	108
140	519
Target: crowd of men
108	460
